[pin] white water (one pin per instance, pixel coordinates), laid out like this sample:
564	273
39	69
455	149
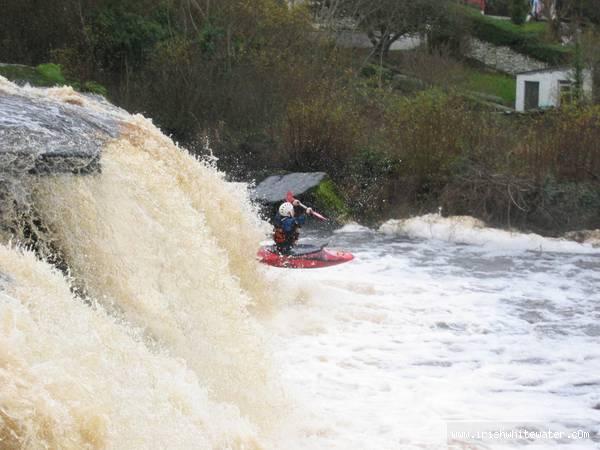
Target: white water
416	333
149	239
71	377
183	341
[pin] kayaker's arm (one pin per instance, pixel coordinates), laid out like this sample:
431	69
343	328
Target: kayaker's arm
298	203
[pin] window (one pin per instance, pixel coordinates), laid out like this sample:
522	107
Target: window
565	91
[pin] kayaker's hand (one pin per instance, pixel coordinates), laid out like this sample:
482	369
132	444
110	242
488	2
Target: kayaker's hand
296	203
309	211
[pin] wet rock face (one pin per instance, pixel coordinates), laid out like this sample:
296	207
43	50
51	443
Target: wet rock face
274	188
38	135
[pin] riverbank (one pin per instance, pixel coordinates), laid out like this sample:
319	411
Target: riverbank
399	134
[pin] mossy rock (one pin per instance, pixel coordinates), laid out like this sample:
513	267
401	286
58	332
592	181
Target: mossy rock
46	75
314	189
327	199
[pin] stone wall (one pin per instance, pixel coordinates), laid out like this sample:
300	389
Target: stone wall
503	59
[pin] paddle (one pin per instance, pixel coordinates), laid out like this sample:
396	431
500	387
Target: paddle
290	198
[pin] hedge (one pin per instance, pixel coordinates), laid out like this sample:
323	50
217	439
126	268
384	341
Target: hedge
522	39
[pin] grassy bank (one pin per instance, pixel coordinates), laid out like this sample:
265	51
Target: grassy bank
495	85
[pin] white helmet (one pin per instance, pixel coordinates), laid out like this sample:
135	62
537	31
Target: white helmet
286	210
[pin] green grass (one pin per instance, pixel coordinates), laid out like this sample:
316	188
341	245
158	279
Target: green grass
493	84
531	30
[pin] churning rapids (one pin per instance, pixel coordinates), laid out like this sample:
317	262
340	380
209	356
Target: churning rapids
160	330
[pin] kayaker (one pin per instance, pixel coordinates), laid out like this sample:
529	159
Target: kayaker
288	220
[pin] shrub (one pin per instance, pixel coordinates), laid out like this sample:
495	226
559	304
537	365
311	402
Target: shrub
427	133
320	133
526	39
518	11
52	73
370	183
497	7
94	88
564	144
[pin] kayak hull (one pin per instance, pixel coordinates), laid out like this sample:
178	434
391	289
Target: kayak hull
323	257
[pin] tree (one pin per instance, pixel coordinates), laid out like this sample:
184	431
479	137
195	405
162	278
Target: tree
579	10
385	21
590	55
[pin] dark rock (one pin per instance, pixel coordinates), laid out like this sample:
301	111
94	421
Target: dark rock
40	135
274	188
4	280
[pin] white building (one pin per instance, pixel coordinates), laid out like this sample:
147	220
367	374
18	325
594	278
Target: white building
539	89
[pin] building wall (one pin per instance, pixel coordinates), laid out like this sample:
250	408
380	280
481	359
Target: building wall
549	86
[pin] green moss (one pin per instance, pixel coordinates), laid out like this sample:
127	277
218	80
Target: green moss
52	73
43	75
24	74
46	75
329	199
94	88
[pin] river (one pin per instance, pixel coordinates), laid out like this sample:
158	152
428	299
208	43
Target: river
422	335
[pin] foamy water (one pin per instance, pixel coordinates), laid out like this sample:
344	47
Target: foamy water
148	238
468	230
419	333
72	377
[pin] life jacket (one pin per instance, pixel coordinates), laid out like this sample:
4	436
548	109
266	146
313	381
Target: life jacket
282	238
279	235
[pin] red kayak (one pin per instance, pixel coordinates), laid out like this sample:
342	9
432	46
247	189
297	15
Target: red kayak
303	257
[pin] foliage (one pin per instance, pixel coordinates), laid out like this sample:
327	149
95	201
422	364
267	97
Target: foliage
564	144
51	72
430	131
120	38
497	7
527	39
320	132
518	11
449	31
580	10
94	88
25	74
385	21
329	199
371	182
